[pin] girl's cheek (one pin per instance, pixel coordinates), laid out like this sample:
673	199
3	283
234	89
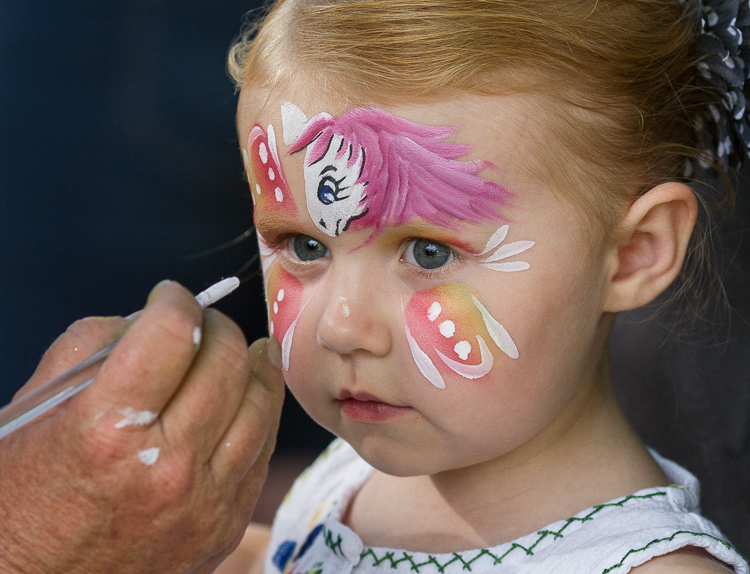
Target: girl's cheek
268	186
284	296
450	331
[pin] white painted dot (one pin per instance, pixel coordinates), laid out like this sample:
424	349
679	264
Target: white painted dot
149	456
271	174
270	328
257	188
263	152
447	329
434	310
279	195
275	307
463	348
197	335
280	296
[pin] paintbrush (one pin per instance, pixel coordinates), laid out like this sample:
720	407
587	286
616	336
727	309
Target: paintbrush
65	385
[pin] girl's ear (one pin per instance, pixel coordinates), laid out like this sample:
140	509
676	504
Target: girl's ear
649	246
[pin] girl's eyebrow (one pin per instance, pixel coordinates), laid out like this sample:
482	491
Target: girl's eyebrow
269	224
431	231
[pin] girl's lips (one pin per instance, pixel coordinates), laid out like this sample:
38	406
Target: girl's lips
366	408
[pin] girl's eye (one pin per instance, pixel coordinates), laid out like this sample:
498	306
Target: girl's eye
306	248
428	254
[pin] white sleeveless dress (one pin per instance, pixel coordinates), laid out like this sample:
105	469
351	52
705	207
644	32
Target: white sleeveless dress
610	538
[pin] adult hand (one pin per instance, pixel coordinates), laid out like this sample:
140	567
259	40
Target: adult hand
155	467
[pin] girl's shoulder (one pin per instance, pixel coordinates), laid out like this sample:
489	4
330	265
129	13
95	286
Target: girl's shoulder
688	560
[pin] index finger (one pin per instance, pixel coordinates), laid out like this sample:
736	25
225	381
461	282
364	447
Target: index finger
150	361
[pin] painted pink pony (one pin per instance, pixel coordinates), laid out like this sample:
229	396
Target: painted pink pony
368	168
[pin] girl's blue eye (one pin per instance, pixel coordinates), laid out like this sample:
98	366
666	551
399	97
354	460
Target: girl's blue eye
306	248
428	254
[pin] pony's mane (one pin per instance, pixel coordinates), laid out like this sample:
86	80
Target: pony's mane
409	170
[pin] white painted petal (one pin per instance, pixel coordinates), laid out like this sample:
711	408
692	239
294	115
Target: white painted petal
264	248
508	266
497	331
271	174
293	121
286	344
280	295
424	363
279	195
272	146
496	239
471	371
509	250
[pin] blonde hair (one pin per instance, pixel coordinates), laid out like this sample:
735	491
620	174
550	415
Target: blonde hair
618	76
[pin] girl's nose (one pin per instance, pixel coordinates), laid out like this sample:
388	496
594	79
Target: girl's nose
354	322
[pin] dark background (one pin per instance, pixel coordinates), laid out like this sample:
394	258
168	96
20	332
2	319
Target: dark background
119	167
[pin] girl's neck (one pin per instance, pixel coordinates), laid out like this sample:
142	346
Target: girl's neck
585	459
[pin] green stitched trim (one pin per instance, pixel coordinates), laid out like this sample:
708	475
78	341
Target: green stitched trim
393	559
335	546
667	539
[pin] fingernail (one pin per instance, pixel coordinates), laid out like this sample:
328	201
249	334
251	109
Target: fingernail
156	288
273	351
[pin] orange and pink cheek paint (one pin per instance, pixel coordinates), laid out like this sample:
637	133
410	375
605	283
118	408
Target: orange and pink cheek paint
448	325
284	297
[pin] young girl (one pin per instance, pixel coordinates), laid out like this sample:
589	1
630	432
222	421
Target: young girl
453	198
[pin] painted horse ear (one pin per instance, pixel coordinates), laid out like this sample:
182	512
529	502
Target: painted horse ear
293	122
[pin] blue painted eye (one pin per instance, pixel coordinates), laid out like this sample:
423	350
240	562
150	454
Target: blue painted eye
326	192
306	248
428	254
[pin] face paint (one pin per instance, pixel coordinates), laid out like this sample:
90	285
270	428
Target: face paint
268	185
284	298
496	253
368	168
450	323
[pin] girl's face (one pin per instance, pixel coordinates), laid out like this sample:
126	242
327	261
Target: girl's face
438	306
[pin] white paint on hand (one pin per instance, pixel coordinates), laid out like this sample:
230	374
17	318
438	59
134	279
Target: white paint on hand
135	418
197	336
149	456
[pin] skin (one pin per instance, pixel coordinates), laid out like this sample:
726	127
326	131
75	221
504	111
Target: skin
540	437
77	498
